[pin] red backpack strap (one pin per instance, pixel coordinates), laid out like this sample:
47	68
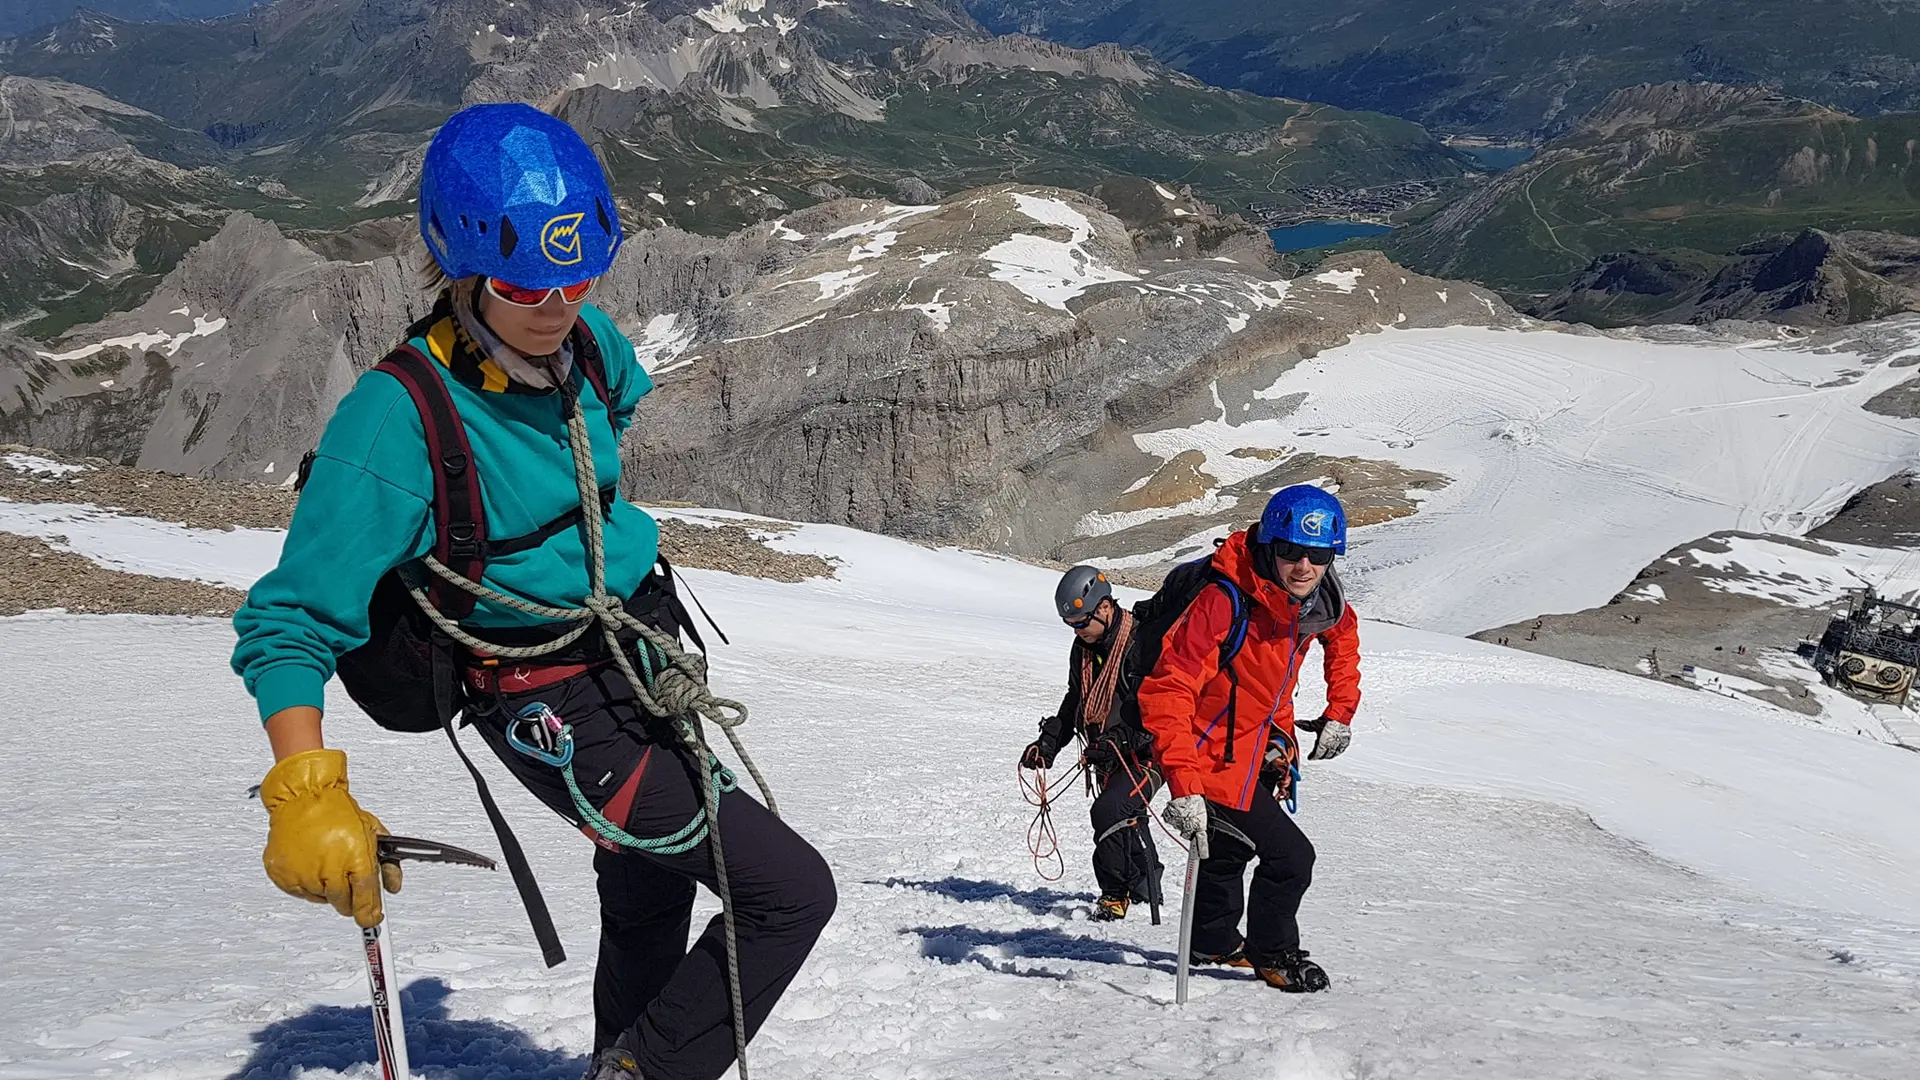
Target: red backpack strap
586	354
459	515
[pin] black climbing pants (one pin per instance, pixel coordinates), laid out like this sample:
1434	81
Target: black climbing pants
1272	904
1124	860
631	768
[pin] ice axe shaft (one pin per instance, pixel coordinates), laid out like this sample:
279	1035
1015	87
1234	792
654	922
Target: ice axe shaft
1194	855
376	946
389	1028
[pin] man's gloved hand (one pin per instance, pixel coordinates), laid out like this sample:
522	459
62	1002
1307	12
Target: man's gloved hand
320	845
1113	746
1039	754
1330	737
1102	752
1187	815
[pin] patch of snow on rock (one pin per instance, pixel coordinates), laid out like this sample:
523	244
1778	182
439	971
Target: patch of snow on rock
1344	280
1047	271
661	343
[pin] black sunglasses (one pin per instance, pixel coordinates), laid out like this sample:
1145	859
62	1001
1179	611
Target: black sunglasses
1080	623
1286	551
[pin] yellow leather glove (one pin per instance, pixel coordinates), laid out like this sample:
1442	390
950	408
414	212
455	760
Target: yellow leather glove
320	844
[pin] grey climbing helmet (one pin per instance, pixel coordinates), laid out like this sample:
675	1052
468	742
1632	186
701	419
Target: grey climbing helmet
1080	591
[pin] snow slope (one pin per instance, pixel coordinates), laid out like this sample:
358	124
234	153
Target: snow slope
1575	460
1745	907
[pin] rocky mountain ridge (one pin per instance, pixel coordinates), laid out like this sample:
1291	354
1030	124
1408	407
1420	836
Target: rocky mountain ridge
710	117
1521	68
21	16
1700	177
1813	278
966	370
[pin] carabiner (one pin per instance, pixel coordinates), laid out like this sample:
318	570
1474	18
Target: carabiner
540	734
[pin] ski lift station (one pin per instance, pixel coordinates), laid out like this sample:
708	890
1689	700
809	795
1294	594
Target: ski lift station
1873	651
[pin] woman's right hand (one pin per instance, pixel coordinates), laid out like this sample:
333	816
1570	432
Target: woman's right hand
320	845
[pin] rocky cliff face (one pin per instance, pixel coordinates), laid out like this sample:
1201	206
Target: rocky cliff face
969	370
228	370
972	371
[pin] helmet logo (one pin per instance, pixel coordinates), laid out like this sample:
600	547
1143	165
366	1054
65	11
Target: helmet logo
560	239
1314	522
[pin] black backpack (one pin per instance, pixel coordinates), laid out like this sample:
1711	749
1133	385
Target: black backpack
1155	616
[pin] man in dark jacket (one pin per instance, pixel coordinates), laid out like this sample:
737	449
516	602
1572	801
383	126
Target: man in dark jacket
1099	708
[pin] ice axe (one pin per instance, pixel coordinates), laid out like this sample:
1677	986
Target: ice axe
389	1031
1196	851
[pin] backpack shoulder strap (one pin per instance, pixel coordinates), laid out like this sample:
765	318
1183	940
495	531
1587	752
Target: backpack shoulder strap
1237	626
1230	648
593	365
459	515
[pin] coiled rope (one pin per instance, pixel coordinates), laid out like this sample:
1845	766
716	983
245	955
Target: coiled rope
677	691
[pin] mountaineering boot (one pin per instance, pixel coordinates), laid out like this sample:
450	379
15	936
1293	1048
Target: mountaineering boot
1234	957
1293	972
1109	909
616	1062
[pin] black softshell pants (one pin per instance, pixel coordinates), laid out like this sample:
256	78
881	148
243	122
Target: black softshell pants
1272	904
1124	860
631	767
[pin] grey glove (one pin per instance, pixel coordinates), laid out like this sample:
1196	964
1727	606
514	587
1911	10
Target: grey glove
1187	815
1330	737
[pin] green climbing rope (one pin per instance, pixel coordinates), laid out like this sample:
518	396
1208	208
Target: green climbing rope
678	843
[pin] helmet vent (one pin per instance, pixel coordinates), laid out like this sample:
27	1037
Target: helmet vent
600	209
509	239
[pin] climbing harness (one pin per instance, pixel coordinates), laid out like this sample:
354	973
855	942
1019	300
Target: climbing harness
675	688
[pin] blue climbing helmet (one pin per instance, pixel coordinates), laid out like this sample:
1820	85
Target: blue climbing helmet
1304	515
509	192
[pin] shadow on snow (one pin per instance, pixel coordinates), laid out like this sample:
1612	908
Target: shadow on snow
1037	901
999	950
331	1037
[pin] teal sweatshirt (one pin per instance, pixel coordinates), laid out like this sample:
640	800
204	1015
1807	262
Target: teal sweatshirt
367	508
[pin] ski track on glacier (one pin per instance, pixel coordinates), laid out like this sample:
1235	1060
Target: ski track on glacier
1575	461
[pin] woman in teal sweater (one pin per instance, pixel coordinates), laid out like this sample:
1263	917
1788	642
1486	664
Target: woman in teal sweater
518	217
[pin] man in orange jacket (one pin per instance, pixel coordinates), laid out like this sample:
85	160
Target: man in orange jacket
1224	736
